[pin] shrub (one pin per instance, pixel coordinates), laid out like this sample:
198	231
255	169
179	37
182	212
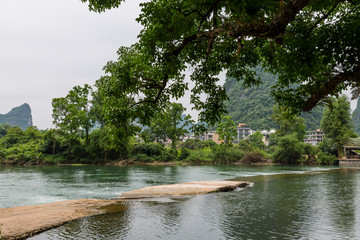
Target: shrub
324	159
256	156
191	144
288	151
226	154
53	159
168	155
245	145
142	158
201	155
184	153
150	149
204	144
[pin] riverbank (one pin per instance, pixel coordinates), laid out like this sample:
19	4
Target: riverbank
24	221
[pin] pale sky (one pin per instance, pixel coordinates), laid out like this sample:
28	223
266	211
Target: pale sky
49	46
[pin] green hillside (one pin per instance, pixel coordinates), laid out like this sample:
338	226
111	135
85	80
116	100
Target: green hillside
356	118
18	116
253	106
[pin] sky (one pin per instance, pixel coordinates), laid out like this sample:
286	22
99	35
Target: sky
49	46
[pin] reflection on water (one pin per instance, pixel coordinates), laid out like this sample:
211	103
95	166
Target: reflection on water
291	206
36	185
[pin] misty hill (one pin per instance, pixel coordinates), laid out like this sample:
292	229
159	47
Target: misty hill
18	116
254	105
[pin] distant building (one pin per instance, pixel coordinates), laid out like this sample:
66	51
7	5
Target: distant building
211	135
314	137
243	132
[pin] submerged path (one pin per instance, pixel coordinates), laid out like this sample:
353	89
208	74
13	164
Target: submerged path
24	221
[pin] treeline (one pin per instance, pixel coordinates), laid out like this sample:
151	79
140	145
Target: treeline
34	147
85	133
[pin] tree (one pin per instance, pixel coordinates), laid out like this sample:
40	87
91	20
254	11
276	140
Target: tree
288	123
226	130
71	114
289	150
3	129
170	123
14	136
256	140
119	117
336	122
311	45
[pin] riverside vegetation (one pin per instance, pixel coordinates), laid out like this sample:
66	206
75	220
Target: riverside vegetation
82	136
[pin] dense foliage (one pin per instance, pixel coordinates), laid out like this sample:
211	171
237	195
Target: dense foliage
336	122
254	106
312	46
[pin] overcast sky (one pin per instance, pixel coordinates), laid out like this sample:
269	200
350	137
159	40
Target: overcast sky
49	46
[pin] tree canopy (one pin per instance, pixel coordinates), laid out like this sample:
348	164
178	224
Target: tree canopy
312	45
336	122
71	114
170	123
226	130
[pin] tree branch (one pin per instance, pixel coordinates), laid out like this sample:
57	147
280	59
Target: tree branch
324	17
330	87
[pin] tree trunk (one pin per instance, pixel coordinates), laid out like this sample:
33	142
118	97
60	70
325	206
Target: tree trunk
54	145
340	151
87	136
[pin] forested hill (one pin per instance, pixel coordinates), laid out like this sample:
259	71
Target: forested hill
253	106
356	118
18	116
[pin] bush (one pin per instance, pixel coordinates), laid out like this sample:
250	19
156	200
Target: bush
142	158
324	159
191	144
168	155
53	159
204	144
310	153
288	151
256	156
150	149
184	153
226	154
201	155
194	144
245	145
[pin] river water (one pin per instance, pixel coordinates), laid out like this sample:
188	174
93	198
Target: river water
285	202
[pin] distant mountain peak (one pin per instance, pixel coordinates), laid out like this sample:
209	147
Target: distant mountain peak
18	116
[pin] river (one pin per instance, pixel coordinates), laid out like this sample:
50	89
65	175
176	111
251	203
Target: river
285	202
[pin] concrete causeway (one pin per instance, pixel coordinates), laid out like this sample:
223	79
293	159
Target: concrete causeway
22	222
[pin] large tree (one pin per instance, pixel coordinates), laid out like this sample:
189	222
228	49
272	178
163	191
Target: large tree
71	114
312	45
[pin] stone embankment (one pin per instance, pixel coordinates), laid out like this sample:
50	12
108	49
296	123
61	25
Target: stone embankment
25	221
